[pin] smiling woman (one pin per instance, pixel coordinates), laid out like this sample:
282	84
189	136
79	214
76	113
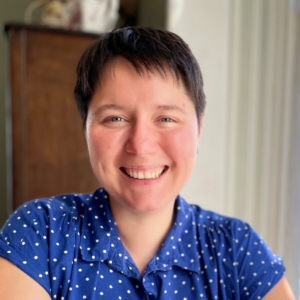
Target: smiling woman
140	94
142	121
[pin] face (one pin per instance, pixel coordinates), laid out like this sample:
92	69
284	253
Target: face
142	134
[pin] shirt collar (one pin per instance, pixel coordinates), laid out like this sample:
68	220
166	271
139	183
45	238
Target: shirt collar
99	232
180	247
100	239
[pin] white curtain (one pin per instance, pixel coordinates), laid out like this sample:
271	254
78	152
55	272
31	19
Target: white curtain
264	153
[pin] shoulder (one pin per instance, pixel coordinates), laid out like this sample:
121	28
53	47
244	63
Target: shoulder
227	235
213	221
42	232
40	215
235	234
241	254
67	203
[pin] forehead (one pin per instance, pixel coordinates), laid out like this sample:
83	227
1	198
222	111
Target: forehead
121	85
120	69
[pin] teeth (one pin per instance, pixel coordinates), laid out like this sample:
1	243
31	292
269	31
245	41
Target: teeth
144	175
157	173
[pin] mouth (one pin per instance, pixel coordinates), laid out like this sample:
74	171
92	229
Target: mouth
144	174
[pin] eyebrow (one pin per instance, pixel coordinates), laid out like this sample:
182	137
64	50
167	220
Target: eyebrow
106	107
171	107
118	107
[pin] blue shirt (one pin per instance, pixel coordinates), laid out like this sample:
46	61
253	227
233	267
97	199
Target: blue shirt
70	245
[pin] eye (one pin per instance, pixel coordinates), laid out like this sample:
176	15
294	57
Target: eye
166	120
115	119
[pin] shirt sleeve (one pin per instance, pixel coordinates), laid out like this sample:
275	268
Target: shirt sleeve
24	242
259	270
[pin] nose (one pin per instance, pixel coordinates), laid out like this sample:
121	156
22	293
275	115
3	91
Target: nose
141	140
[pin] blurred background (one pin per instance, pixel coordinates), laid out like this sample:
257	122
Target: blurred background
248	165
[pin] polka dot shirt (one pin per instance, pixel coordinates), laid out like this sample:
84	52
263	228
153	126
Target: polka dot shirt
70	245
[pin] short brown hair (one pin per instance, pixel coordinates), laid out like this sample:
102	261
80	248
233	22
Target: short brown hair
144	48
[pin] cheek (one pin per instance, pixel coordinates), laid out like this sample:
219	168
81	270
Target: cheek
181	145
100	146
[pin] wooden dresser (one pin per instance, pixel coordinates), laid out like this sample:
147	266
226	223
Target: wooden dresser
48	154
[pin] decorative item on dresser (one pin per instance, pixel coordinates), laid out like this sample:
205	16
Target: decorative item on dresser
48	153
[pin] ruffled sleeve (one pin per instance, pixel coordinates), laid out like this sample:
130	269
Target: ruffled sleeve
24	242
39	239
258	268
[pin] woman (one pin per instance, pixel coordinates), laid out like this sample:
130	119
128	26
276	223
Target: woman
140	94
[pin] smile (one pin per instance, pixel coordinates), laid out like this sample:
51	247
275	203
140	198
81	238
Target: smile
144	174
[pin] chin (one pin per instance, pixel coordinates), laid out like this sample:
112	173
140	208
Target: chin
148	204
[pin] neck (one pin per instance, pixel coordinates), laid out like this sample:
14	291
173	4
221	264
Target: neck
142	233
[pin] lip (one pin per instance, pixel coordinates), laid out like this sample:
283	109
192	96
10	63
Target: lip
144	182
